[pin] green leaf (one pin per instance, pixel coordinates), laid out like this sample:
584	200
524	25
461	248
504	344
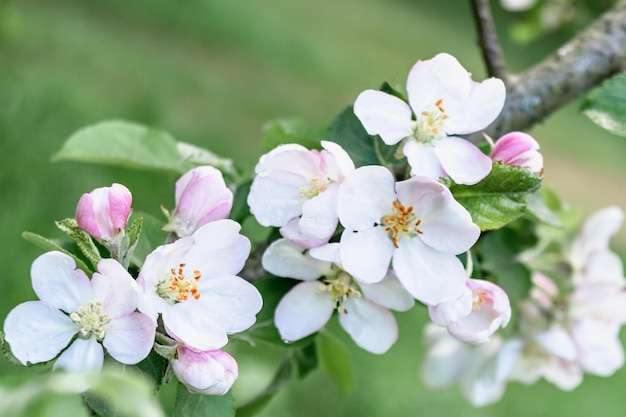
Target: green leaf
151	236
200	156
83	240
240	209
606	105
190	404
335	359
51	245
123	143
153	367
538	208
291	130
499	198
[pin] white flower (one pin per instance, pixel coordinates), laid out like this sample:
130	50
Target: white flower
192	284
299	185
363	308
210	373
415	224
443	102
100	312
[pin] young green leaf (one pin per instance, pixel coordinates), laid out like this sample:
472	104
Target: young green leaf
51	245
280	131
606	105
335	359
83	240
189	404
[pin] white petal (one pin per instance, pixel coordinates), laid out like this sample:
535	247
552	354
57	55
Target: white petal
328	253
292	232
129	339
344	163
480	108
602	267
319	215
557	342
462	160
275	200
446	359
449	312
388	293
37	332
114	288
285	259
366	255
423	160
383	114
371	326
303	311
57	281
82	355
186	323
365	197
599	347
230	301
429	275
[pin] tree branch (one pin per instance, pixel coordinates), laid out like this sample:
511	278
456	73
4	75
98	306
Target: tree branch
594	55
488	40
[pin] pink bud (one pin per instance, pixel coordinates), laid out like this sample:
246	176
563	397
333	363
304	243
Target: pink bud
491	310
201	197
103	213
518	149
211	372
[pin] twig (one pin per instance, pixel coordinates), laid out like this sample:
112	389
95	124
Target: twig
488	40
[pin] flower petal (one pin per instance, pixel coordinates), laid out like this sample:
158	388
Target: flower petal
480	108
371	326
114	288
423	160
187	323
366	254
319	215
209	373
129	339
462	160
428	275
303	311
384	115
285	259
57	282
388	293
37	332
82	355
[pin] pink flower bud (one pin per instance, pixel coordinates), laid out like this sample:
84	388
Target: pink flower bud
518	149
211	372
491	310
201	197
103	213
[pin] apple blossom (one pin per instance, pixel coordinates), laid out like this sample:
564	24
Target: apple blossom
210	372
363	308
415	224
295	188
201	197
476	314
518	149
103	213
191	283
443	101
97	312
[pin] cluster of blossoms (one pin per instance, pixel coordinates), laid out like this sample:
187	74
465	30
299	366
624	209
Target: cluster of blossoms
569	325
364	243
184	302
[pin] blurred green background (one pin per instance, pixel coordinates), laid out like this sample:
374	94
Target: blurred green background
211	72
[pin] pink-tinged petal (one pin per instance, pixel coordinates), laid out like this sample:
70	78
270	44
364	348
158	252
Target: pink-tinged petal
104	212
388	293
120	202
565	375
439	78
319	215
209	373
129	339
371	326
557	342
462	160
602	301
384	115
423	160
186	323
285	259
114	288
327	253
303	311
343	162
448	312
518	149
480	108
37	332
57	282
219	249
600	351
366	254
291	231
446	225
230	301
81	356
289	158
365	197
428	275
87	218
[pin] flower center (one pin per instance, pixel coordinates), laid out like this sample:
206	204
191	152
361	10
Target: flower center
177	287
403	222
339	288
428	125
92	320
318	185
479	297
